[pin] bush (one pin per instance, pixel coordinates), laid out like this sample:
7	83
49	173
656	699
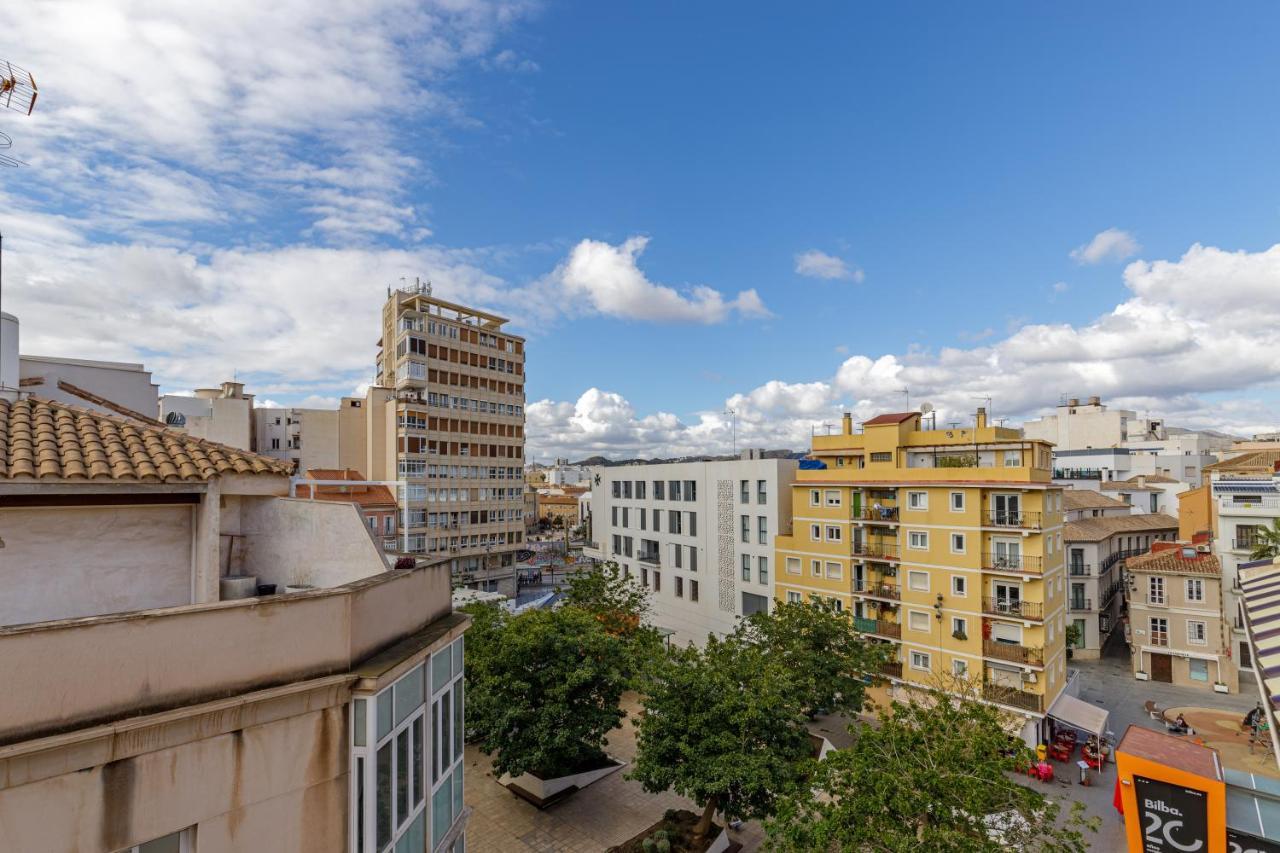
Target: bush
406	563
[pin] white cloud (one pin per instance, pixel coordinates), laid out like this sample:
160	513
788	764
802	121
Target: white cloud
1110	245
1197	341
817	264
1061	287
610	281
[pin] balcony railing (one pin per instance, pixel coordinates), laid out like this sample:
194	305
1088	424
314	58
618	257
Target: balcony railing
1081	604
875	550
1013	697
879	590
879	627
1111	591
1011	518
1077	473
1116	556
1246	544
887	514
652	558
1013	607
893	668
1013	562
1080	570
1013	652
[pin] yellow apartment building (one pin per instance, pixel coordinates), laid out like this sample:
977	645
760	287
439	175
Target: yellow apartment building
946	543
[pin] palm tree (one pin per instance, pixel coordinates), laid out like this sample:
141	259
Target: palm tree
1266	542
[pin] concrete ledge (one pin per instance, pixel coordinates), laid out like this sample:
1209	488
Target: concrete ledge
546	789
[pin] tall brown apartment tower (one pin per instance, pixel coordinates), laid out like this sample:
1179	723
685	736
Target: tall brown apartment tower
455	382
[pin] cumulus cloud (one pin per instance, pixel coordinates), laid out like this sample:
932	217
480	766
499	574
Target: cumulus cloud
609	280
1110	245
817	264
1197	341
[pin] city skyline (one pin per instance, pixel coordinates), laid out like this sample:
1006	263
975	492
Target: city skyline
791	223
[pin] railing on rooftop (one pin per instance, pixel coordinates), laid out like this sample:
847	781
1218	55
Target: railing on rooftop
1077	473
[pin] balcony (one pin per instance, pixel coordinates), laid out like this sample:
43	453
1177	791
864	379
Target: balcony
1012	518
1116	556
653	559
878	627
875	550
892	668
1077	473
884	515
1080	570
1081	605
1013	563
1111	591
1268	505
1013	652
1013	697
889	591
1014	608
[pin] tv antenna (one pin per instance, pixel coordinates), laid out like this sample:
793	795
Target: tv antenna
6	142
733	414
17	88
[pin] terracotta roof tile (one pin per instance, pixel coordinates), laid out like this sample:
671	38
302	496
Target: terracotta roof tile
48	440
1089	499
1097	529
366	497
1259	461
1172	560
892	418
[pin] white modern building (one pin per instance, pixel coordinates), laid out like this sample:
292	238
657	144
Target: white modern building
564	474
112	387
698	535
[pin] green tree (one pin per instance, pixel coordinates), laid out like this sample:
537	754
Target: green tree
621	605
1266	542
543	690
722	727
825	658
1073	636
937	774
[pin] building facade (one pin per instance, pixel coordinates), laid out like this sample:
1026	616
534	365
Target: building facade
223	414
447	419
110	387
375	502
1177	634
699	535
191	710
946	543
307	437
1097	548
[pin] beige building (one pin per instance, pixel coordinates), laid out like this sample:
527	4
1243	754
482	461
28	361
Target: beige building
156	695
307	437
447	418
223	414
1176	631
1097	547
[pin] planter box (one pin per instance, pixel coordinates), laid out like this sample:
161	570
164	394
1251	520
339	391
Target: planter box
1221	688
1141	676
542	792
721	844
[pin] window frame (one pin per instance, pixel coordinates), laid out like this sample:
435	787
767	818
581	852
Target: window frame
912	616
927	658
1204	632
921	536
963	590
963	549
918	501
951	502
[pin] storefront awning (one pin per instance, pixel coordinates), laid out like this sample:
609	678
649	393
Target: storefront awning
1079	714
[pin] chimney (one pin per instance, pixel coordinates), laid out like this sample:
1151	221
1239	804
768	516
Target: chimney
1142	479
846	424
1095	401
982	417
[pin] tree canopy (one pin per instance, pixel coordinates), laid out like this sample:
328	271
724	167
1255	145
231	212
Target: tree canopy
621	605
1266	542
935	774
722	726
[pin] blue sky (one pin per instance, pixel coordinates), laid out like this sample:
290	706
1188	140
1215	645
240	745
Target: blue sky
938	162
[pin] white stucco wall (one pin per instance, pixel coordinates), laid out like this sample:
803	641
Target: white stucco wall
61	563
319	543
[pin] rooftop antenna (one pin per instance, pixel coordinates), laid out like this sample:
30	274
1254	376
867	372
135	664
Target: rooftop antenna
906	393
733	414
6	142
17	88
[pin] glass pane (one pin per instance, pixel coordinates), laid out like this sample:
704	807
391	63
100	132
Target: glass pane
457	791
457	719
441	812
441	670
402	776
408	694
435	742
417	760
446	742
457	656
383	803
414	839
359	723
359	805
168	844
384	713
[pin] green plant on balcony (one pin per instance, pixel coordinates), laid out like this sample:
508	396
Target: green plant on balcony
1266	542
964	460
960	635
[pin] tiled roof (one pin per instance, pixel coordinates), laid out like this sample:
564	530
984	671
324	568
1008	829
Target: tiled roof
1126	486
1097	529
1089	499
1152	478
366	497
1259	461
1173	560
45	440
894	418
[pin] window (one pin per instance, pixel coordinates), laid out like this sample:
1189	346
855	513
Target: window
882	457
793	597
1159	631
640	490
1155	590
644	576
918	621
815	532
918	540
833	533
673	489
744	491
693	590
657	581
959	585
1195	589
919	660
762	569
658	491
918	581
917	500
690	490
1012	458
834	570
957	501
959	627
175	842
693	524
957	543
815	497
678	552
746	528
673	521
1198	669
746	567
388	524
793	565
693	558
762	530
832	497
960	668
1197	633
762	491
679	587
815	568
275	444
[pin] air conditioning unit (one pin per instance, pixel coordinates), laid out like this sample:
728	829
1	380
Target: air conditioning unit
1029	677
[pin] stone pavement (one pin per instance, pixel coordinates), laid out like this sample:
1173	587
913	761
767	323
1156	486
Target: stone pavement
592	820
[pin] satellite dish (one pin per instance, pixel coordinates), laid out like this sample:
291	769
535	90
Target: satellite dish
926	408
